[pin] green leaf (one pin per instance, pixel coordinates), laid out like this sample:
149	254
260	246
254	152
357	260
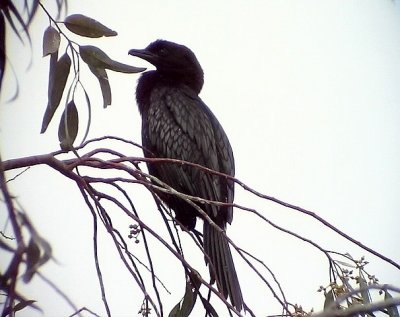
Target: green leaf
57	81
51	41
175	311
89	120
392	311
101	75
85	26
68	128
364	293
124	68
185	307
95	57
188	300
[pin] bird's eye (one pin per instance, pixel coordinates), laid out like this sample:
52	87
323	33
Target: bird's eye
163	51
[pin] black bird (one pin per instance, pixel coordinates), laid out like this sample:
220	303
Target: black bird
177	124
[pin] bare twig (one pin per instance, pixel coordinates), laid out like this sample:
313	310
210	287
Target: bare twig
130	165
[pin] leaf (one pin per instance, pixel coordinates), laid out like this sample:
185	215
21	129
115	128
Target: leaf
101	75
52	70
392	311
23	304
45	249
329	300
31	11
95	57
188	300
32	259
5	9
124	68
60	4
82	25
184	308
57	81
98	62
175	311
51	41
364	293
68	128
346	264
89	120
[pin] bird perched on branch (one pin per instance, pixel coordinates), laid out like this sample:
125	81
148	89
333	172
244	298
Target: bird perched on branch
177	124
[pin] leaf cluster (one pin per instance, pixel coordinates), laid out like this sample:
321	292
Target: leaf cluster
16	20
60	70
351	286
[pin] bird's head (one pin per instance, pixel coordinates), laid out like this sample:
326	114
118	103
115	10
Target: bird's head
174	62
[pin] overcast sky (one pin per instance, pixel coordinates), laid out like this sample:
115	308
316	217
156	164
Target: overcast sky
308	93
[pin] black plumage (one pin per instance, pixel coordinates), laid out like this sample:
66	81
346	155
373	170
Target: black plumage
177	124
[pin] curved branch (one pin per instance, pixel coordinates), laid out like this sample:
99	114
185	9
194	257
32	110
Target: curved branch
130	165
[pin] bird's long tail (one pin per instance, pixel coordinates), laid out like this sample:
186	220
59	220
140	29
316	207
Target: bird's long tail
222	268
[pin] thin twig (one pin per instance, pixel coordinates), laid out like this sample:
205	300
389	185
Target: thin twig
96	257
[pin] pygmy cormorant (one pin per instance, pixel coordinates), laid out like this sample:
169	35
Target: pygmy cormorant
177	124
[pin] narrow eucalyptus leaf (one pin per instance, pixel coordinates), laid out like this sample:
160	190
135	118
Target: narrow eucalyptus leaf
102	77
175	311
188	300
32	259
68	127
329	299
82	25
185	306
51	41
124	68
364	293
46	250
57	81
52	72
23	304
95	57
392	311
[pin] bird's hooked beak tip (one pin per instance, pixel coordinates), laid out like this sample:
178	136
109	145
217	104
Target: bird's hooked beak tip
133	52
144	54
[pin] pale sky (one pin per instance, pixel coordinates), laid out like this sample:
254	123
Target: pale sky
308	93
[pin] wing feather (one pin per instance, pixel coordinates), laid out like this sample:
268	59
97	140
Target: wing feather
181	126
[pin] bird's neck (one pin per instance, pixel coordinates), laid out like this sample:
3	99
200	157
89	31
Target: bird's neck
151	79
145	85
190	77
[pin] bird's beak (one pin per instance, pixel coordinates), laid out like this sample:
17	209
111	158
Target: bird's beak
144	54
